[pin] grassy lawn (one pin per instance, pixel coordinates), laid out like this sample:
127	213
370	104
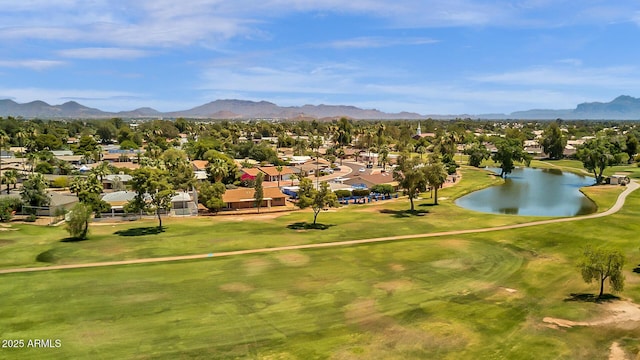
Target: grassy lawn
27	245
475	296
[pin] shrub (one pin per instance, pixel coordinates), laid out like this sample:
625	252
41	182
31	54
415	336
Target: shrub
385	189
343	193
361	192
60	182
7	206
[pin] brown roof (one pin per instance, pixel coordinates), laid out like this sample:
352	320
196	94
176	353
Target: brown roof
375	178
246	194
272	171
200	165
251	171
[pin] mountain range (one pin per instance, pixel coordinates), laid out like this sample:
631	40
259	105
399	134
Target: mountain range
621	108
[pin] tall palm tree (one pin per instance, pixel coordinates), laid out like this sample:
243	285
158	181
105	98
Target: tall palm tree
279	169
4	143
10	177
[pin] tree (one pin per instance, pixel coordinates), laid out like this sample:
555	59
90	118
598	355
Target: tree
436	175
153	192
477	154
34	192
103	169
553	142
8	205
596	154
410	176
78	223
4	143
210	195
509	150
88	190
317	199
631	146
258	194
279	169
602	264
10	177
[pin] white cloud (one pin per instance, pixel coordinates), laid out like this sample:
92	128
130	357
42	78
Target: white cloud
611	77
31	64
103	53
152	23
378	42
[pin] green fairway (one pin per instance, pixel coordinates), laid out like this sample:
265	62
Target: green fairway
474	296
27	245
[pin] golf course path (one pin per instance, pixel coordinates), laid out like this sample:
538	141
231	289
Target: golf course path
615	208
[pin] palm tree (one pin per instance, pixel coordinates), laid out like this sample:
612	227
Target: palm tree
383	156
421	150
279	169
102	170
10	177
217	168
4	141
341	154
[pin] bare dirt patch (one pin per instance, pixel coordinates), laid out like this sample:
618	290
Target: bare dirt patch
621	314
395	285
397	267
236	287
616	352
256	266
294	259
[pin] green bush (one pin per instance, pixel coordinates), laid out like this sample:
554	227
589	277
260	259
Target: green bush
60	183
361	192
385	189
343	193
7	206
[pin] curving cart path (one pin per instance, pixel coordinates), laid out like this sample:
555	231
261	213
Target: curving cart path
615	208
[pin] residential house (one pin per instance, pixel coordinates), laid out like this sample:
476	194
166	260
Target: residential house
272	174
243	198
110	180
367	180
183	203
119	199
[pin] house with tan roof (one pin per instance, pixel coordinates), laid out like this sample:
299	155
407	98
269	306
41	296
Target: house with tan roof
242	198
272	174
199	165
367	180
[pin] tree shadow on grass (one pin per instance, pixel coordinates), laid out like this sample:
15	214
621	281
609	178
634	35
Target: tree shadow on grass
427	205
637	269
584	297
307	226
73	240
404	213
141	231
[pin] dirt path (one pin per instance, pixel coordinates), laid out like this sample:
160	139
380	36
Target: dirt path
615	208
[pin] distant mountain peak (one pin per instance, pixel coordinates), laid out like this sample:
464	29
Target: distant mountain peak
623	107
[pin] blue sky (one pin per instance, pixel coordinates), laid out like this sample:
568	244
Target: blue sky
429	57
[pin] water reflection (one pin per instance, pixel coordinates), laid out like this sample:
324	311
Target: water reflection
548	192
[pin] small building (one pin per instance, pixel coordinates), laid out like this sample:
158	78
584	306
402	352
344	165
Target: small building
183	204
108	181
118	199
618	179
242	198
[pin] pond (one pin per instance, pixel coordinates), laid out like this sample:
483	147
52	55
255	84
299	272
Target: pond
533	192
